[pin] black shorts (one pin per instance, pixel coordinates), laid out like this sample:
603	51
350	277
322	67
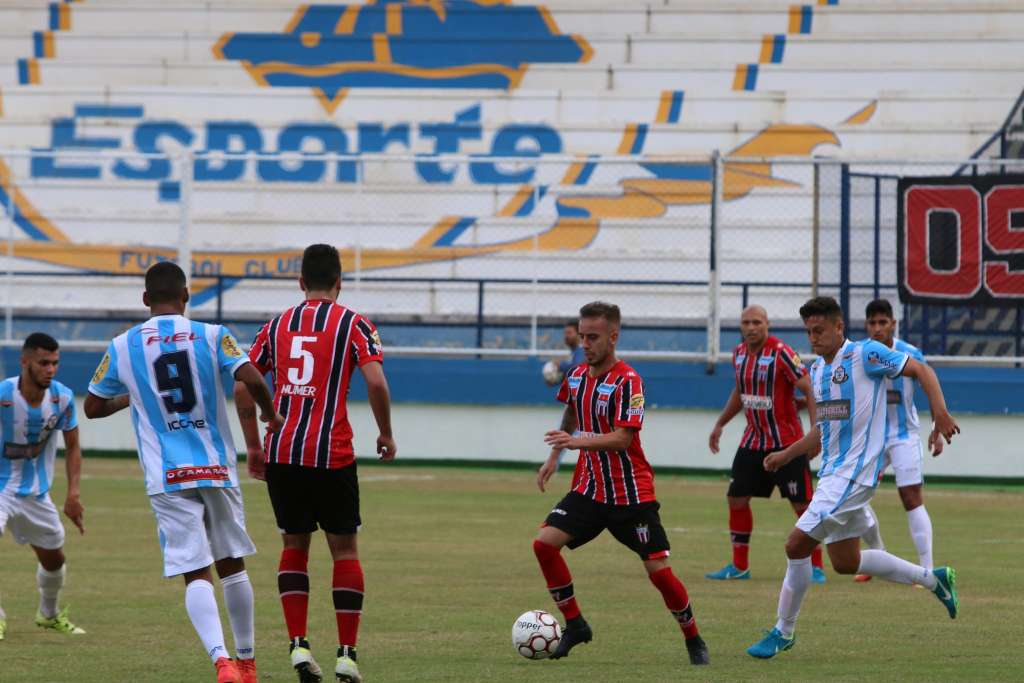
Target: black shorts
638	527
306	497
749	477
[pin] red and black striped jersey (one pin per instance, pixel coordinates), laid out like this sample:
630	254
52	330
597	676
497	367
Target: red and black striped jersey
603	404
765	383
312	350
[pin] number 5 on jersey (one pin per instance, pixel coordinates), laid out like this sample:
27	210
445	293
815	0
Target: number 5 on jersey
301	375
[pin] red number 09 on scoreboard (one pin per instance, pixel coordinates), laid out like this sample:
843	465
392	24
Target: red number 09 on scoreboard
961	240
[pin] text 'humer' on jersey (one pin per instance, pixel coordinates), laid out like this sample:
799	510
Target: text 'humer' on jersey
176	371
850	395
603	404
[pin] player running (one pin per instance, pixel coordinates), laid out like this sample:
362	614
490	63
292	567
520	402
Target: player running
33	408
309	466
172	371
849	389
902	438
613	485
767	370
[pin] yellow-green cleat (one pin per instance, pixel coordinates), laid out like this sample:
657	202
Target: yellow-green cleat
3	628
59	623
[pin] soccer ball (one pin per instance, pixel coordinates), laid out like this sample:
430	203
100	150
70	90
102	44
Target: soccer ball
552	375
535	634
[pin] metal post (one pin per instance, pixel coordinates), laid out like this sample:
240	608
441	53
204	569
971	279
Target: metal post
9	312
878	233
220	299
479	314
185	207
816	230
844	244
358	267
714	283
534	286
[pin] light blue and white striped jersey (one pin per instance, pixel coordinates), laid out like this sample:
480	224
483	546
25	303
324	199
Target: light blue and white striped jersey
175	371
29	446
902	422
850	395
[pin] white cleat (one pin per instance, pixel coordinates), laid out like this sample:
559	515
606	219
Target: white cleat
304	664
347	671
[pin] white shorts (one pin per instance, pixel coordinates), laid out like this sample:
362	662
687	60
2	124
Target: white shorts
32	519
907	461
199	526
837	511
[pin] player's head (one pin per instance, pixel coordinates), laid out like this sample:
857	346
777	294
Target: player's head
166	287
321	270
823	320
880	322
599	331
571	334
754	326
40	356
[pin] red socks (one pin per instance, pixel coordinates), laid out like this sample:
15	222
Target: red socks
348	600
741	524
559	580
678	602
293	585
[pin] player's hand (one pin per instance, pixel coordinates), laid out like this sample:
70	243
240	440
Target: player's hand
944	426
556	438
274	422
801	403
74	511
716	435
935	444
256	461
549	467
773	461
386	447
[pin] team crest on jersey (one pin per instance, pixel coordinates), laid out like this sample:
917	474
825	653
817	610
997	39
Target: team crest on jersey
375	336
643	534
230	347
637	401
839	375
101	369
574	382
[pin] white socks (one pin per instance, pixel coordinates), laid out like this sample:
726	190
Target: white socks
49	584
201	605
798	578
921	532
238	599
873	536
891	568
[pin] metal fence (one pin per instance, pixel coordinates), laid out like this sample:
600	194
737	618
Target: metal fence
470	254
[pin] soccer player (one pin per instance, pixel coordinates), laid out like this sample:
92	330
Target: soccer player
571	337
309	466
613	485
172	372
902	439
849	391
767	370
33	407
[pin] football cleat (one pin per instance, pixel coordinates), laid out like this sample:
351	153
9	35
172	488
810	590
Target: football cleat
729	573
818	575
945	589
3	628
571	637
247	667
303	663
862	578
346	670
772	644
59	623
227	671
698	651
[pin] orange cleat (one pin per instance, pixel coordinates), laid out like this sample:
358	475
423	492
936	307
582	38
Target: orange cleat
862	578
227	671
247	667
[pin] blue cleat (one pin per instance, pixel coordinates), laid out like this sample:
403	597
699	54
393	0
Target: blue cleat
772	644
728	573
818	575
945	589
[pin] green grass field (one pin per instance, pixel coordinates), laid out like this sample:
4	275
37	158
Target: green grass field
448	564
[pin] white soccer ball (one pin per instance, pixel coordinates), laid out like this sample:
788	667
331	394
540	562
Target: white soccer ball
535	634
551	373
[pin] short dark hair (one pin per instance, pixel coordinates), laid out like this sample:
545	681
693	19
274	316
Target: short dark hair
321	266
825	306
573	323
601	309
879	307
164	282
40	340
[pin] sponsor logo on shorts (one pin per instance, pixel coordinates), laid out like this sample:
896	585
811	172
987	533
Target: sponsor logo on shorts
643	534
836	409
793	487
308	390
181	475
559	511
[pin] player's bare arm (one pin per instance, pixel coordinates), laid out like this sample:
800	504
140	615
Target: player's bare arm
73	507
618	440
96	406
550	466
944	426
257	388
810	443
804	385
380	403
732	408
255	458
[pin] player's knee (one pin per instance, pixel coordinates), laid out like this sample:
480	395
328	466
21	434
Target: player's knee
544	550
845	565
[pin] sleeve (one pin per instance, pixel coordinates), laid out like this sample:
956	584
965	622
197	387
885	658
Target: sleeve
564	395
881	361
791	365
229	356
366	344
630	403
105	383
259	352
69	417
